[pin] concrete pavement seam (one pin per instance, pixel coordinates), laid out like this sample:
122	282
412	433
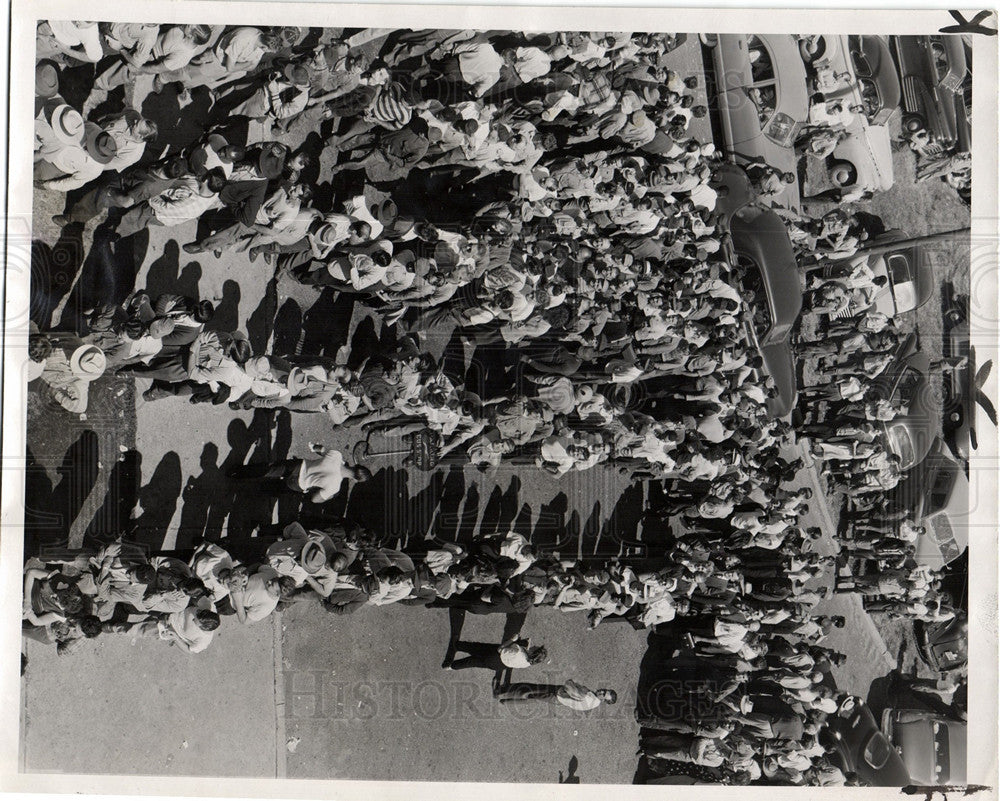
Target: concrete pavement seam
280	757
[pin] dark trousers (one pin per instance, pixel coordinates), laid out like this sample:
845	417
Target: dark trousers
275	476
483	655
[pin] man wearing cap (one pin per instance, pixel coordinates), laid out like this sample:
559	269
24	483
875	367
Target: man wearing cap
69	370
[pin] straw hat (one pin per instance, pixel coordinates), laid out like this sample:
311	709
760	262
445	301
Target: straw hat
67	124
313	557
88	362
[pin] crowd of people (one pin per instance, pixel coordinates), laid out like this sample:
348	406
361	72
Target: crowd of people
537	196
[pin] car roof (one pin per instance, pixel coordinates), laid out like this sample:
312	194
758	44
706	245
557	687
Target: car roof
761	234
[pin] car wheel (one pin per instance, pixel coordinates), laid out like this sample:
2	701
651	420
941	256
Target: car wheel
913	123
812	50
843	173
709	39
954	316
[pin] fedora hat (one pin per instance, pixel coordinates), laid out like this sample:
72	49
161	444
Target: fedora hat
46	79
313	557
99	143
67	124
87	362
271	161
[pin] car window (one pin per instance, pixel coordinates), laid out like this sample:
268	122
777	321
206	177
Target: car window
877	751
901	444
899	269
761	64
763	92
940	57
941	491
861	66
907	386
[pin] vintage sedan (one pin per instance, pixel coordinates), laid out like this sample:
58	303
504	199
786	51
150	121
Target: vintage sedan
762	100
761	248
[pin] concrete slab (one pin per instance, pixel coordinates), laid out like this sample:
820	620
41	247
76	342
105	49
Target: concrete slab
132	706
367	699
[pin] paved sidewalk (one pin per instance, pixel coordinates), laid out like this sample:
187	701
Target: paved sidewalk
131	706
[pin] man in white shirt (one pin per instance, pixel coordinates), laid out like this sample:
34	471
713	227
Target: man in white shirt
320	479
259	598
569	694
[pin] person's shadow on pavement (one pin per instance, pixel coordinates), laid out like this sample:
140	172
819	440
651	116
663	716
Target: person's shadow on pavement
570	777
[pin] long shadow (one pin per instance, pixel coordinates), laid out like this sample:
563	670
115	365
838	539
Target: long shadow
247	507
622	527
166	275
550	531
177	127
287	328
50	509
158	500
202	495
261	320
365	343
53	269
381	503
327	323
227	311
112	519
450	501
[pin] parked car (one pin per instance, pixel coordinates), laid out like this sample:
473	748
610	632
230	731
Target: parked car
936	494
932	747
944	646
762	100
858	71
906	383
761	247
934	74
908	272
858	746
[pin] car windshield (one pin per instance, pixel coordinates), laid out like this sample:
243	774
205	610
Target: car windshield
861	66
940	57
944	536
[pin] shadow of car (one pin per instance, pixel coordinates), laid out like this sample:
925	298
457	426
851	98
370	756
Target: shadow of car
761	248
933	748
858	746
762	100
